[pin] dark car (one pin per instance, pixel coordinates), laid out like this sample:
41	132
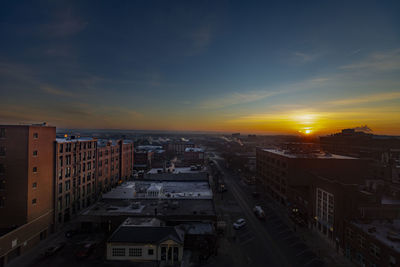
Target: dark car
86	250
54	249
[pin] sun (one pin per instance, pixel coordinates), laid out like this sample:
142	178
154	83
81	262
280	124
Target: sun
307	131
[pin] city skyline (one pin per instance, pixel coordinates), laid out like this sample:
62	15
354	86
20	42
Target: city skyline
262	68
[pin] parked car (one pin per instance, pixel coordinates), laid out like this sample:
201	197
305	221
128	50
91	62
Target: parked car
240	223
259	212
54	249
86	250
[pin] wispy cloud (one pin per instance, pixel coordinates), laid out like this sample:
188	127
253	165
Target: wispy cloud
382	61
379	97
306	57
235	98
57	92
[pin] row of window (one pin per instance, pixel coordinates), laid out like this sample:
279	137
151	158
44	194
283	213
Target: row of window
3	134
68	146
132	252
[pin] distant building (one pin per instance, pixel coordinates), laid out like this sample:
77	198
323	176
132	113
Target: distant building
26	187
236	135
193	155
178	147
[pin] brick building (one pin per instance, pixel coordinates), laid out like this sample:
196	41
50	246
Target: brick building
75	176
277	170
373	242
26	187
193	155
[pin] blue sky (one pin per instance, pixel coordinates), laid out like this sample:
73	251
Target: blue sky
249	66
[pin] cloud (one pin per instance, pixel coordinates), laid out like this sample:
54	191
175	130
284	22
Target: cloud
57	92
304	57
366	99
382	61
235	98
65	24
252	96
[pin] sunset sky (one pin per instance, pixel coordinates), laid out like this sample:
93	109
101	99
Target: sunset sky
247	66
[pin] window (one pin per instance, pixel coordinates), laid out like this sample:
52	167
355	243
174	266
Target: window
35	169
2	132
150	251
118	252
60	174
35	153
2	168
375	250
2	184
34	185
2	150
67	185
67	200
135	252
35	135
61	148
59	203
60	188
34	201
2	202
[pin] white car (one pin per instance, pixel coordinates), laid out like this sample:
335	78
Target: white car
240	223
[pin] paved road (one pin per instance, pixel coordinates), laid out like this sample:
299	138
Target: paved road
270	242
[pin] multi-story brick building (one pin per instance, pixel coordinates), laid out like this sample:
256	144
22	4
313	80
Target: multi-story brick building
373	243
277	170
114	163
194	155
26	187
75	176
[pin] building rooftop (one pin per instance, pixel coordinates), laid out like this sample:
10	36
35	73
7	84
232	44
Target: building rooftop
386	232
177	170
71	139
180	176
146	235
194	149
168	190
311	155
182	210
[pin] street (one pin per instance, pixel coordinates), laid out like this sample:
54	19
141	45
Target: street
261	243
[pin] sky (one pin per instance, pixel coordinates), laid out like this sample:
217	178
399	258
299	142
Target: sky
284	67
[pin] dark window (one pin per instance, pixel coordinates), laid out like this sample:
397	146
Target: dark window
35	153
34	201
2	132
2	150
34	169
34	185
2	202
60	188
35	135
2	184
150	251
2	168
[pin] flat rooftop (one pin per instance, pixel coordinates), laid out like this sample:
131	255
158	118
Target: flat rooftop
147	207
72	140
178	170
180	176
167	190
311	155
386	232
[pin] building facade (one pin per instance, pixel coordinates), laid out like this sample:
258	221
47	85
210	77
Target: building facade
75	176
26	187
